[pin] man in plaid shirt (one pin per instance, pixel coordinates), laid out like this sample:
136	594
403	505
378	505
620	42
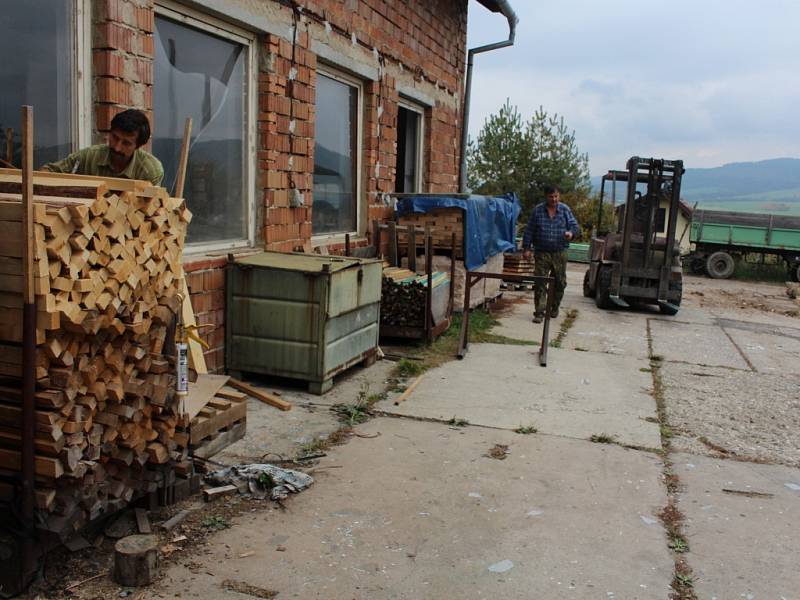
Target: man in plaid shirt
550	228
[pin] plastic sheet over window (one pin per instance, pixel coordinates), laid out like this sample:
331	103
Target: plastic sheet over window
202	76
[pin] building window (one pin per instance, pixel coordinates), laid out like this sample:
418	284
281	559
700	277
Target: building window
202	70
336	155
408	177
42	43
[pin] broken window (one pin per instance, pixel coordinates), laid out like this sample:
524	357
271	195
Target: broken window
335	206
201	71
38	41
408	177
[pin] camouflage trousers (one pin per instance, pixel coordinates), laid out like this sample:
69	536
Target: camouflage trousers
550	264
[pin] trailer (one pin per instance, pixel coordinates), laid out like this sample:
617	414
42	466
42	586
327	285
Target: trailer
722	238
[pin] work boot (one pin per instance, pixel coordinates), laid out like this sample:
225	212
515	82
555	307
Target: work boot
538	317
554	313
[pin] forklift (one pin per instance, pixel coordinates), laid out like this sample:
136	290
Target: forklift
637	264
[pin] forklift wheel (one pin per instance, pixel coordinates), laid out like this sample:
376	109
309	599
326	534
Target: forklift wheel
587	291
603	291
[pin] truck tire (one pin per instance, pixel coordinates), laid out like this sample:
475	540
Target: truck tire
602	297
720	265
697	265
587	291
673	286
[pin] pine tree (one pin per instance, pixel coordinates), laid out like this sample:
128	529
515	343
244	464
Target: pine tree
512	156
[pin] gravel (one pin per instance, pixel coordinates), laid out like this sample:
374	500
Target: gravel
752	416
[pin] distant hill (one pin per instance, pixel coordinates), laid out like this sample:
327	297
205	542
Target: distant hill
763	186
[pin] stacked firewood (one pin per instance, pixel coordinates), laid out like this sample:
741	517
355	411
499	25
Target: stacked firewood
108	271
403	302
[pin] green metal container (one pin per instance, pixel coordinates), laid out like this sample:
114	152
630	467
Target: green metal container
578	253
301	316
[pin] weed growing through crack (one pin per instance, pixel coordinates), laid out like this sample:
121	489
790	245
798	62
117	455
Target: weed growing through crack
313	447
458	422
671	517
526	429
360	410
566	325
678	544
646	370
603	438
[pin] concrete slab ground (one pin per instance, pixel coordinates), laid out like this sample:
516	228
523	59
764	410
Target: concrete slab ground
420	512
740	546
614	332
694	343
754	415
770	349
578	394
275	433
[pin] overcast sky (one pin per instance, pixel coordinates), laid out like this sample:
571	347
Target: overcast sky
708	81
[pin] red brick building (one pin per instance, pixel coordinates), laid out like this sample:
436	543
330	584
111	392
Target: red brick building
305	114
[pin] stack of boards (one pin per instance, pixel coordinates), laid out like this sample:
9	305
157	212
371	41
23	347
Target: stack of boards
515	264
442	223
108	271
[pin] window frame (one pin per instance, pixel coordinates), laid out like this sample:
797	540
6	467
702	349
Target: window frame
82	113
214	26
336	74
420	110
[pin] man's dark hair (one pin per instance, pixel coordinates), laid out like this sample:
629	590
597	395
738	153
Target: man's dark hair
551	189
133	121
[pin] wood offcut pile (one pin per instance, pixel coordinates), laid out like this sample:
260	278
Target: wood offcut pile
442	223
403	296
515	264
108	268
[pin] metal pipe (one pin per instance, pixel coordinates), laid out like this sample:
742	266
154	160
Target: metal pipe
28	460
511	16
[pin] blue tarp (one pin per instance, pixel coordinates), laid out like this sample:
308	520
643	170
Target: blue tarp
490	223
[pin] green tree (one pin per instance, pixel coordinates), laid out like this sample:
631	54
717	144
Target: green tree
523	157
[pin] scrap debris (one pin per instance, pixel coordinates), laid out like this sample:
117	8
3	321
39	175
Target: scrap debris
498	452
262	480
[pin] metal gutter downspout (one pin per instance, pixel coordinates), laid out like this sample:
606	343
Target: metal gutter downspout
508	12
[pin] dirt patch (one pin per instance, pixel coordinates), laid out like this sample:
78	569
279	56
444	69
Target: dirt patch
741	296
247	589
498	452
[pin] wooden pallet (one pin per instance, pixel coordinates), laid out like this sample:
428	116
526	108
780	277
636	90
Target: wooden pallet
221	422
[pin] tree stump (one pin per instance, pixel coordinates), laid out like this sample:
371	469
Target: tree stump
135	560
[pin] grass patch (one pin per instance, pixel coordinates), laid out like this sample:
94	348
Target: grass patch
679	545
407	367
458	422
666	431
215	522
526	429
603	438
646	370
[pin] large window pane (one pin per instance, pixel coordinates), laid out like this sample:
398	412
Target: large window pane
334	209
202	76
36	44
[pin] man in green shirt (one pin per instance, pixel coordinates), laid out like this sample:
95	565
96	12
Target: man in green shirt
122	156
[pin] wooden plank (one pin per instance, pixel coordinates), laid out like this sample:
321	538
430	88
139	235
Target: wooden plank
203	426
259	395
210	494
45	466
201	392
184	158
197	360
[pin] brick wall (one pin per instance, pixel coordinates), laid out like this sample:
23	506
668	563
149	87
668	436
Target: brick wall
122	55
206	282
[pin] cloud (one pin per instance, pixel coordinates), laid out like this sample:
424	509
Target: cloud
710	82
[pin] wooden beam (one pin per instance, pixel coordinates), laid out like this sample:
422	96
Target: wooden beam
259	395
181	179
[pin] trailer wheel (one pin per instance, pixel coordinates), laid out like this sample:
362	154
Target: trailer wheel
602	296
587	291
720	265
